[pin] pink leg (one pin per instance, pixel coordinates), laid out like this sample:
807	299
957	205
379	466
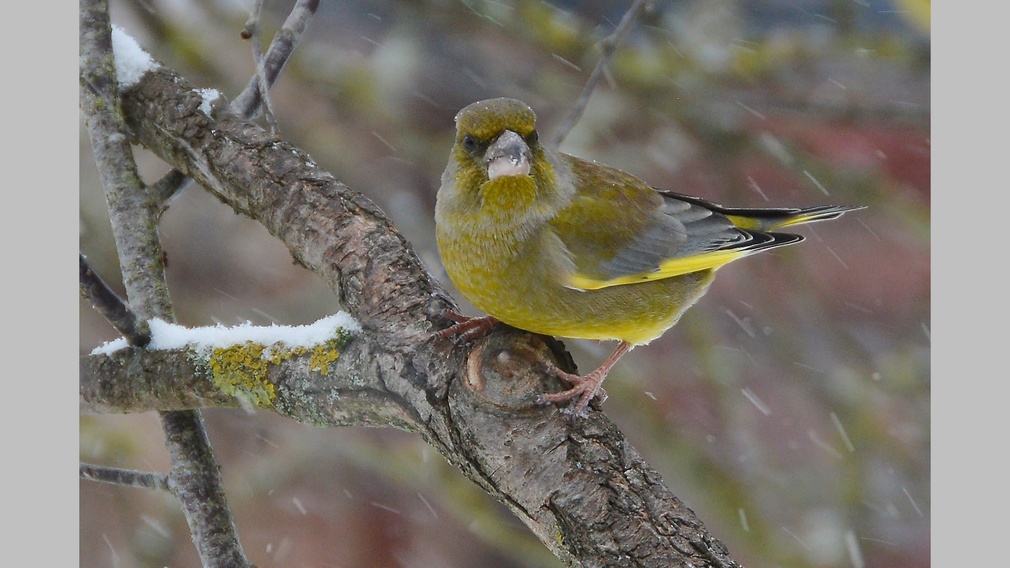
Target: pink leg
465	327
587	386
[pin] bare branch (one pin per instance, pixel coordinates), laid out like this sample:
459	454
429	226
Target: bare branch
253	32
110	305
142	380
277	56
607	48
196	481
168	187
130	205
127	477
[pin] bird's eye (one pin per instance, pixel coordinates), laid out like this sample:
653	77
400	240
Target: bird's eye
532	138
469	143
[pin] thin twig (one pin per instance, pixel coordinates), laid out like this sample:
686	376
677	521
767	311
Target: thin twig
252	31
607	48
127	477
170	185
247	103
112	307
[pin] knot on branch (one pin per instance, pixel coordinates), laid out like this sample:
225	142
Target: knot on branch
508	370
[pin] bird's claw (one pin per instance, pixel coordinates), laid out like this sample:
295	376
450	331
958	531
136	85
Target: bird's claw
584	390
466	328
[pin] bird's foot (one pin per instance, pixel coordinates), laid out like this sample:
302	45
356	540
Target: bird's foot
466	328
584	388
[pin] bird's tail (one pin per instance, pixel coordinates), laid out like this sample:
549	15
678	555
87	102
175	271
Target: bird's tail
773	218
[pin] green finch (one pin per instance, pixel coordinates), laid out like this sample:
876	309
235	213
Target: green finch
553	244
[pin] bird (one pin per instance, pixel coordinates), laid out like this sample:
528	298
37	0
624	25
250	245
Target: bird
558	245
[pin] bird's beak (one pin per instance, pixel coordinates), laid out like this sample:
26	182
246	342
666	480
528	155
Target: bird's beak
507	156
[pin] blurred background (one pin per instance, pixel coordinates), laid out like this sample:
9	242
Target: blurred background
790	408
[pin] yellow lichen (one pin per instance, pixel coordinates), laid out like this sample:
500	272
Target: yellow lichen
323	355
241	371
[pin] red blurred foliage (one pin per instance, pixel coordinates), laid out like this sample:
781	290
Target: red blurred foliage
902	151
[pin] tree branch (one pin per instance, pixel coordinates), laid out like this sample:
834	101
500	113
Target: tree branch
127	477
607	48
251	32
578	485
112	307
134	212
268	68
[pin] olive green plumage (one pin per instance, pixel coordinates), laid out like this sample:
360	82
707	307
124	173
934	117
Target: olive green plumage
554	244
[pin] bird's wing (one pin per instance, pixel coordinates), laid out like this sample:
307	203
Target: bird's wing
618	230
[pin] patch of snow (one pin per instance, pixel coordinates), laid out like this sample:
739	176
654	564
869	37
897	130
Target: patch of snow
132	62
166	335
209	96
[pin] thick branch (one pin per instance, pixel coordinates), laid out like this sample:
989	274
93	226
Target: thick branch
141	380
579	485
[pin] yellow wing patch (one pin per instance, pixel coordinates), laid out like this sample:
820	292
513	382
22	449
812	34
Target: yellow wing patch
667	269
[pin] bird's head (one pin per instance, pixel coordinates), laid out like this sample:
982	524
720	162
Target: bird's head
499	176
496	138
